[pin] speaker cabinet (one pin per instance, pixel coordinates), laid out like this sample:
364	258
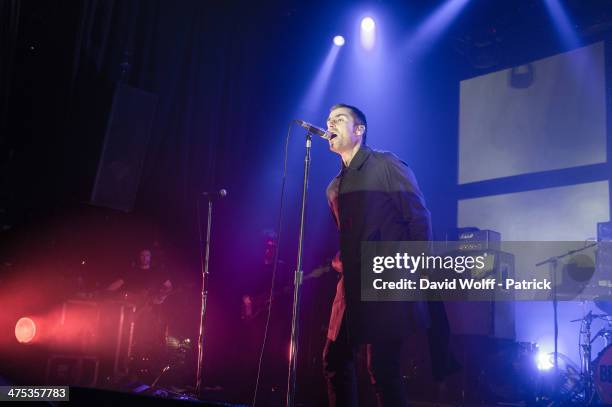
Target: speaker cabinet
125	145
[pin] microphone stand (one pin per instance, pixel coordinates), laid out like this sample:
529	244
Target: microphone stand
552	263
204	258
297	282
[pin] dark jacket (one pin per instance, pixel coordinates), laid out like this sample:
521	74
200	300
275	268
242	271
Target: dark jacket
375	198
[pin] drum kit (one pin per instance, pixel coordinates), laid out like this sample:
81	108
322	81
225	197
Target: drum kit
590	383
595	384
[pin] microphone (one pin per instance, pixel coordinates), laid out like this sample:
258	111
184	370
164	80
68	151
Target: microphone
222	193
316	130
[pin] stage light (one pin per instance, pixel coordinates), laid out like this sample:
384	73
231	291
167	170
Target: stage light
544	361
339	40
563	23
434	26
368	33
25	330
368	24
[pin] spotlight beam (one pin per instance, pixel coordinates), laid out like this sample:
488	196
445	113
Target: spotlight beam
368	33
433	27
562	23
317	88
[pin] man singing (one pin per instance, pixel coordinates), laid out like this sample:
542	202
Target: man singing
375	197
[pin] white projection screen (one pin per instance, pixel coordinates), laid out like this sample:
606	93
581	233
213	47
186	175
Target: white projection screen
567	213
546	115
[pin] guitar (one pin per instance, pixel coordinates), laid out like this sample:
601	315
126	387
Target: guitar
254	305
145	300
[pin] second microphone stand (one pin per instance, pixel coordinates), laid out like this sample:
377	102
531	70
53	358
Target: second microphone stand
204	259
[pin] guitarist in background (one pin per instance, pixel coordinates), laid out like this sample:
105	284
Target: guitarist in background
146	285
144	277
255	302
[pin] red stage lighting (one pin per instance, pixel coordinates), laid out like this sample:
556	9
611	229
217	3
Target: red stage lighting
25	330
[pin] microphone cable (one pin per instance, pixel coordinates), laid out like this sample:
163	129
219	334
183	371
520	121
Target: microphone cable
275	266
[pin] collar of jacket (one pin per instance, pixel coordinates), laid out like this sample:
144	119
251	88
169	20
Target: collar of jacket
357	162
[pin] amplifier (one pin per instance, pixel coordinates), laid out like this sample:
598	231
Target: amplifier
473	239
479	240
490	318
498	264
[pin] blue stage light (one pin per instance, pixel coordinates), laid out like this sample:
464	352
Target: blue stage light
544	361
368	33
368	24
339	40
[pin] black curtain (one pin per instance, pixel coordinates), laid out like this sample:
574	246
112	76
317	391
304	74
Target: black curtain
60	63
9	26
187	53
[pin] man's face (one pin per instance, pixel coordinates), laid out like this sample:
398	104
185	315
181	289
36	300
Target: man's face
145	258
348	133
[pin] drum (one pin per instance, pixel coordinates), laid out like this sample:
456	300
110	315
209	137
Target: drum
602	375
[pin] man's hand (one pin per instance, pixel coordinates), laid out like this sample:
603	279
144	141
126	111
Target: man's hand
337	263
163	293
115	285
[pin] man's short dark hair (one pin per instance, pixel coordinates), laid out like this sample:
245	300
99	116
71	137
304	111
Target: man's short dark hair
358	116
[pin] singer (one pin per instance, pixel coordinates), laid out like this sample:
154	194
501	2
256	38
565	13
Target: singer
374	197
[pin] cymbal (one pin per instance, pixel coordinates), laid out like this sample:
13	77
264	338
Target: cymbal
589	317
